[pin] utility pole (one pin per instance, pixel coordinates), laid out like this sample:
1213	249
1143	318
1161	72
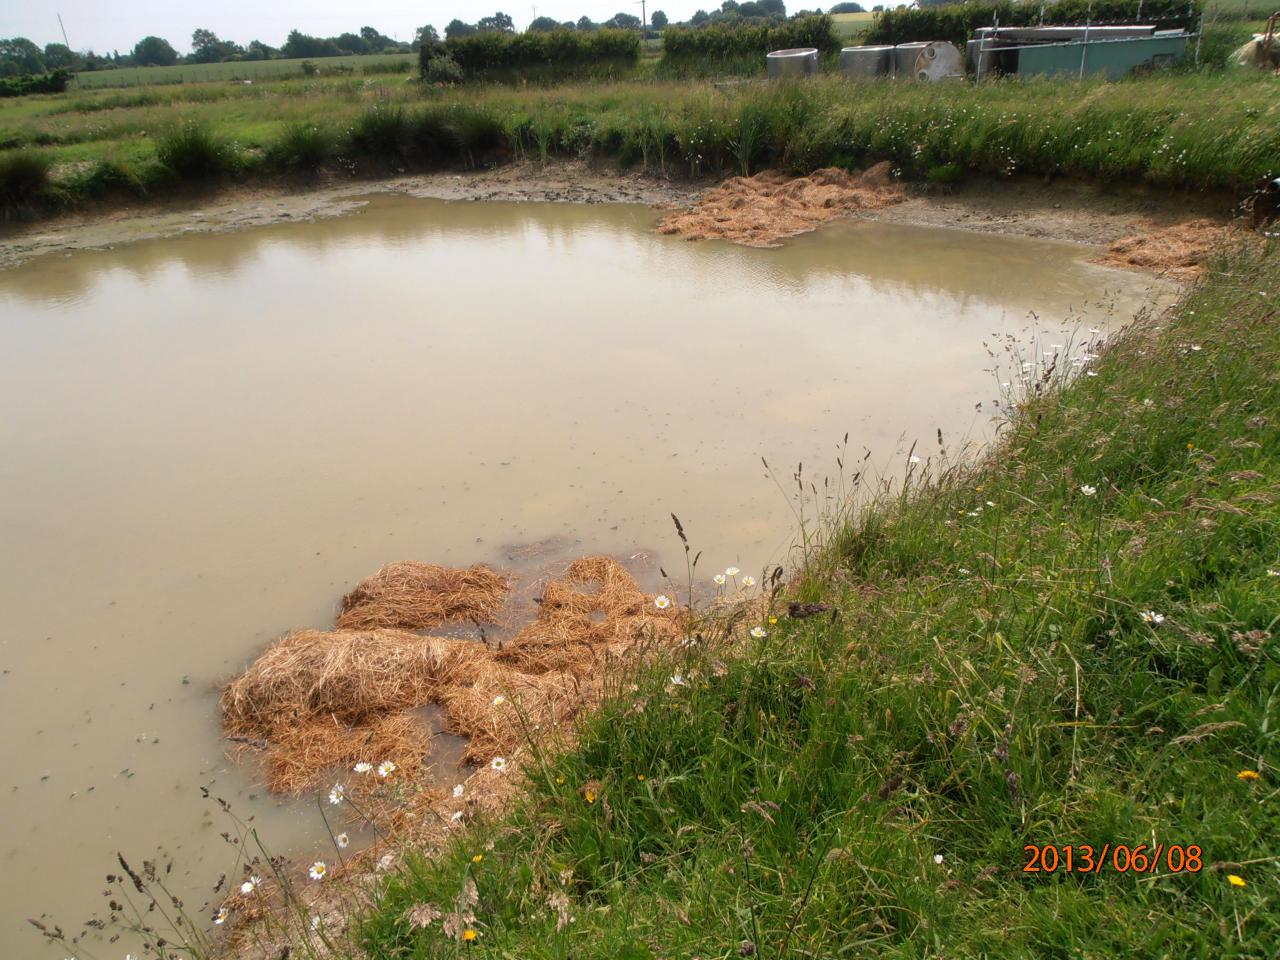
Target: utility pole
64	32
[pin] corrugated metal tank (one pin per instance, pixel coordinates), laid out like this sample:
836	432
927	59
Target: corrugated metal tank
796	62
904	58
867	61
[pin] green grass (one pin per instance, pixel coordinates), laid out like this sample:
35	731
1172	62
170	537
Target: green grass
256	70
850	26
1196	130
982	676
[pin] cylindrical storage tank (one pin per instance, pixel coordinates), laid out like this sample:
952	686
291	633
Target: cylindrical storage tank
939	60
867	61
904	58
797	62
981	62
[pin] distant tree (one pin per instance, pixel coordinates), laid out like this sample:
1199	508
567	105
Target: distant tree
58	55
658	19
207	48
878	8
376	41
300	46
847	8
457	28
542	25
567	25
699	18
20	56
623	21
154	52
751	9
257	50
774	8
586	24
498	23
351	43
427	34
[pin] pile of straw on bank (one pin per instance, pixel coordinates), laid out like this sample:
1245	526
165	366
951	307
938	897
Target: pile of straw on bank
317	699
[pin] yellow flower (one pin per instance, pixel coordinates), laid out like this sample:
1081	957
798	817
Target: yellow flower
559	779
469	935
1191	446
1247	775
1235	881
590	796
477	858
773	619
641	777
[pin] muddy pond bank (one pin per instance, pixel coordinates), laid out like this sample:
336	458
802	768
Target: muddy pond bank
1070	211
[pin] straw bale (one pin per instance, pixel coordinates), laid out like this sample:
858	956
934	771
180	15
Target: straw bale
418	596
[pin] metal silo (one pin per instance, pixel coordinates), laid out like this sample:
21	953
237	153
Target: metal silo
796	62
867	61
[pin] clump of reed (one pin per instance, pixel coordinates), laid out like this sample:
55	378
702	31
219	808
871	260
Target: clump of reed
24	178
303	147
192	151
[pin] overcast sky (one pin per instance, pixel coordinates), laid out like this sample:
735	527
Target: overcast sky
105	25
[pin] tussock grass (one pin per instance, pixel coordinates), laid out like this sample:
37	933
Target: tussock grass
971	664
24	176
190	151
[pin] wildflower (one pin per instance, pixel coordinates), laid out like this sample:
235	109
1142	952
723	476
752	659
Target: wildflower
661	602
1196	348
914	459
386	768
250	885
1247	775
1191	446
678	680
641	777
469	935
1091	373
498	763
560	780
1235	880
1088	490
1095	330
457	791
318	870
1148	403
731	572
589	795
362	767
477	858
337	793
1273	573
938	858
457	815
221	916
759	632
1150	616
748	581
315	923
719	579
499	700
773	619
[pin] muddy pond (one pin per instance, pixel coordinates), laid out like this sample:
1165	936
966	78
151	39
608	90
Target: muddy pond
208	439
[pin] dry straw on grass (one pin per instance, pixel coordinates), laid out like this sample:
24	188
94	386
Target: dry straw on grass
1180	251
759	211
316	699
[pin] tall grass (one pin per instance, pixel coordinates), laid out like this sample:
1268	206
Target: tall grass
24	176
191	151
1072	642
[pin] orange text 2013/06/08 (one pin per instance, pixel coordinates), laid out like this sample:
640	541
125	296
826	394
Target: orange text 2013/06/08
1120	858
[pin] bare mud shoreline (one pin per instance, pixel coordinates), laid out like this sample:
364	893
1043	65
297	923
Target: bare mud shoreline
1078	213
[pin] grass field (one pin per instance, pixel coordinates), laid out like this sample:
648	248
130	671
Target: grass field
851	25
246	70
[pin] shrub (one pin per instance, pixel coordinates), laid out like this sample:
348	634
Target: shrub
956	22
24	176
722	42
303	147
381	132
191	152
491	50
54	82
442	69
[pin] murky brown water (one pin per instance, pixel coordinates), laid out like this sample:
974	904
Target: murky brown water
207	440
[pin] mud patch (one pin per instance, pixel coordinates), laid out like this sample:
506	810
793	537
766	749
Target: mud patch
762	210
1179	251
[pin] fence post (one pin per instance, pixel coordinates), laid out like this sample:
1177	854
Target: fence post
1199	36
1084	47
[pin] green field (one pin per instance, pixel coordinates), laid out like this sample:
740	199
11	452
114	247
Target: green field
851	25
245	70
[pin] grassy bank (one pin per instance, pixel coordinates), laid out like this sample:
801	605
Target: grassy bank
1181	131
1071	642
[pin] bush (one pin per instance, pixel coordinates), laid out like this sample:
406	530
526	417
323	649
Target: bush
24	176
191	152
442	69
491	50
956	22
722	42
381	133
303	147
54	82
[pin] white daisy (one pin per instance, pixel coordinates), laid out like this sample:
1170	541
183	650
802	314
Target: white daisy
386	768
457	815
1150	616
221	916
1273	573
318	870
1088	490
731	572
250	885
343	841
937	858
457	791
362	767
499	700
719	579
337	793
661	602
915	459
759	632
678	680
315	923
498	763
748	581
